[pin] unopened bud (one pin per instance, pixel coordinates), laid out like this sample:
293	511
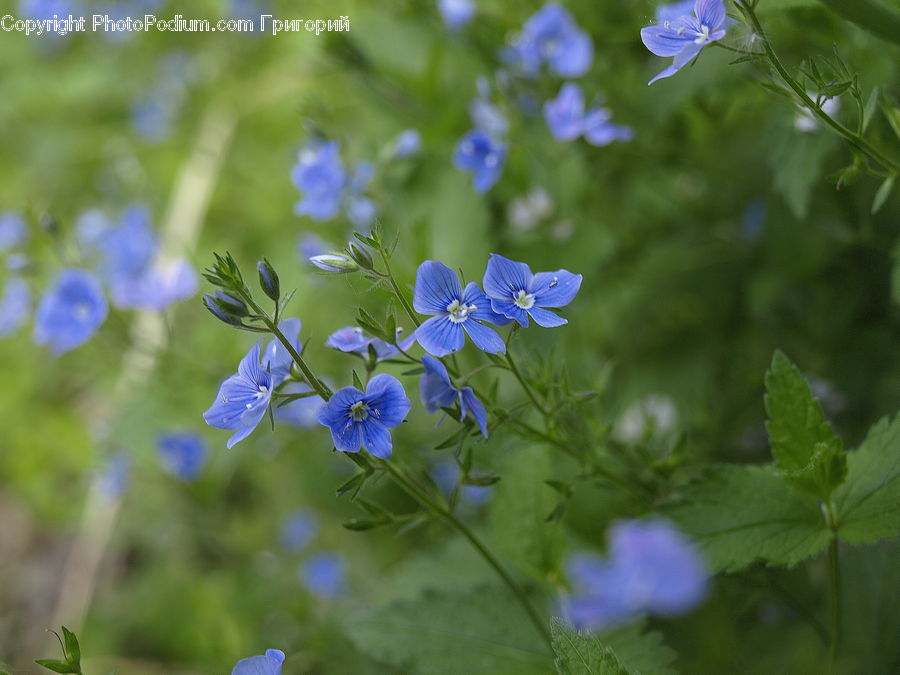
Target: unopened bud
268	279
334	263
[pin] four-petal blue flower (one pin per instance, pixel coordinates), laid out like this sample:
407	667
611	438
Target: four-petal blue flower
551	36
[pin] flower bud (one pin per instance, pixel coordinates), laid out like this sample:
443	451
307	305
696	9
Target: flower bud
215	306
334	263
361	256
268	279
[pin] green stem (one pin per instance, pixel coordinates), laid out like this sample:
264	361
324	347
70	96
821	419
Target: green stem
515	371
854	139
396	289
834	574
422	497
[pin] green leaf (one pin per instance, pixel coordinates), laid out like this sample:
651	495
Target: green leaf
867	506
869	110
806	450
871	15
884	191
72	649
741	514
357	382
58	666
621	651
478	631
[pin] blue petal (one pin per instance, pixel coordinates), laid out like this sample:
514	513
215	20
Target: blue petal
546	318
471	404
249	367
674	11
711	13
664	41
486	339
387	400
239	435
277	358
231	402
435	387
337	411
565	113
436	287
504	278
574	55
440	336
484	310
347	436
511	310
376	438
555	289
267	664
349	339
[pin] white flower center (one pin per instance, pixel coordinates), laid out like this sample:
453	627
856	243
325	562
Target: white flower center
82	311
524	300
703	36
359	411
459	312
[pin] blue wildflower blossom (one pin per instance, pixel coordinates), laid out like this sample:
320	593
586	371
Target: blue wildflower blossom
160	285
13	231
361	419
437	391
300	412
516	293
15	303
651	567
551	36
323	574
352	340
242	399
456	312
70	312
684	36
265	664
567	120
482	156
298	530
320	176
456	13
407	144
183	454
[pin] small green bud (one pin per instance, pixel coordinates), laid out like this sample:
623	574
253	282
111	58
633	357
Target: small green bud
334	263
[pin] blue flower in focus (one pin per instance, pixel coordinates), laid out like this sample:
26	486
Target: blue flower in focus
298	530
265	664
684	36
13	231
482	156
457	312
183	454
551	36
651	567
15	304
446	475
516	293
70	312
300	412
323	574
320	176
362	419
566	118
407	144
456	13
352	340
277	359
437	391
242	399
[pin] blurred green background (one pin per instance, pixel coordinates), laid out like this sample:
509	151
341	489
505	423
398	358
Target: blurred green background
713	238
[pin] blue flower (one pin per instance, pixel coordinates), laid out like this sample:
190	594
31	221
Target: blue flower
358	419
516	293
298	530
457	312
352	340
323	574
183	454
15	304
551	36
129	247
407	144
265	664
482	156
437	391
456	13
651	567
70	312
156	287
300	412
320	176
566	118
674	10
684	36
242	399
277	359
13	231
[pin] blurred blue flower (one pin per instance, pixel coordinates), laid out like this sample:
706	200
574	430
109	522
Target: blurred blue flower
446	475
277	359
154	112
158	286
456	13
482	156
183	454
684	36
298	530
15	304
13	231
310	245
301	412
437	391
352	340
242	400
457	312
16	261
407	144
488	117
358	419
651	567
551	36
265	664
516	293
566	118
70	311
128	248
320	176
323	574
360	210
674	10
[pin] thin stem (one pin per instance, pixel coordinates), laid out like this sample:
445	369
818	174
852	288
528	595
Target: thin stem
738	51
834	574
525	387
422	497
479	369
854	139
396	288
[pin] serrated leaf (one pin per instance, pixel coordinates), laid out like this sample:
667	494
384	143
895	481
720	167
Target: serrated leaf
867	505
621	651
480	631
805	448
741	514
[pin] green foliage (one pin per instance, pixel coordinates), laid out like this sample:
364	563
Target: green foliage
873	15
71	662
620	651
